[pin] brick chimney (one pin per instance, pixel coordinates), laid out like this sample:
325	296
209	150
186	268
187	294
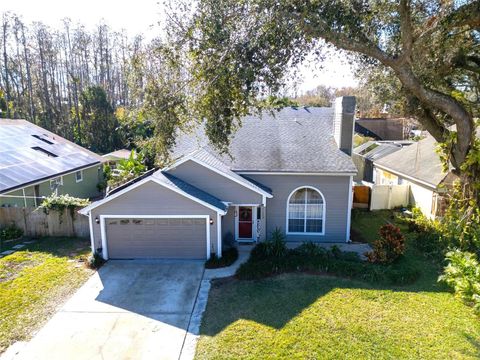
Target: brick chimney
344	122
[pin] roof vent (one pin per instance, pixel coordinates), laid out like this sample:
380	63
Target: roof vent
43	139
43	151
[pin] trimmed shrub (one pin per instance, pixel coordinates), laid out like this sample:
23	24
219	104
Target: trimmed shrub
95	261
389	247
311	249
463	275
276	245
311	257
229	256
10	232
427	234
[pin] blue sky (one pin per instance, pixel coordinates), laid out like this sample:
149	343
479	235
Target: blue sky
143	16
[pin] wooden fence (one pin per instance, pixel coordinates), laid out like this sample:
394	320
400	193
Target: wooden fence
361	196
35	222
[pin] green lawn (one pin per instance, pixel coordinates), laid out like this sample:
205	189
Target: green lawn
302	316
367	223
35	281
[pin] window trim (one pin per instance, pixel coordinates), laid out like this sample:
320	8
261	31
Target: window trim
81	176
324	212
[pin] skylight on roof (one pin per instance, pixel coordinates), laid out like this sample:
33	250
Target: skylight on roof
43	139
43	151
368	149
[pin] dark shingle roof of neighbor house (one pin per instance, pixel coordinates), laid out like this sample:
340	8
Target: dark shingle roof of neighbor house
191	190
419	161
29	154
293	140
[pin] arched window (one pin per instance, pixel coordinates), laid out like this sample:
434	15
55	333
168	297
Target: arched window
306	212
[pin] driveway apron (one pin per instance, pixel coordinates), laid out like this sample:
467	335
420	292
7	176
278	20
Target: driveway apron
130	309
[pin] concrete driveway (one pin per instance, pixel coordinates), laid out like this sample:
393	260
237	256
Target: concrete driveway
128	310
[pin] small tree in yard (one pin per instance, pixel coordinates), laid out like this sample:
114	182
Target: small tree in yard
389	247
127	169
463	274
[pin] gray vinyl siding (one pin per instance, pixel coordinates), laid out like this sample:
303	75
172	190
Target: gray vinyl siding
215	184
228	222
153	199
335	189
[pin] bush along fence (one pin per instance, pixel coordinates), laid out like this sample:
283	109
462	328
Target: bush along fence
36	222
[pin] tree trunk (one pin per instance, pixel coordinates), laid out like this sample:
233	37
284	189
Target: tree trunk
434	100
5	64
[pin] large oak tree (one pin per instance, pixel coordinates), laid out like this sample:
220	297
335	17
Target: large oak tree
239	51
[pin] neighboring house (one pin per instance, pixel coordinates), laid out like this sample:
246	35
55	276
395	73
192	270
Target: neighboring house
418	166
364	155
385	128
291	171
35	163
114	157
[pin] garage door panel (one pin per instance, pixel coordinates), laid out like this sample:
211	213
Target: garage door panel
156	238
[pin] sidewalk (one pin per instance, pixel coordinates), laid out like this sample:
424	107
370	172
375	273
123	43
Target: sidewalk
243	254
193	332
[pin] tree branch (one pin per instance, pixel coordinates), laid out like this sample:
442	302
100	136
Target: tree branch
431	99
362	45
465	15
406	30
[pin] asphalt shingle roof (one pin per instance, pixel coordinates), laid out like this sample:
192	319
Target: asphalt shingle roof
419	161
29	153
189	189
293	140
206	157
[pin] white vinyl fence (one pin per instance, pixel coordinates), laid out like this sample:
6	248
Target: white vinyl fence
389	196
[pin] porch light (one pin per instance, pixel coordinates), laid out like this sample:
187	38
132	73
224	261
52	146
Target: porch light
97	220
211	221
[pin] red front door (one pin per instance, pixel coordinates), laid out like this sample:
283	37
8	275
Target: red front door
245	222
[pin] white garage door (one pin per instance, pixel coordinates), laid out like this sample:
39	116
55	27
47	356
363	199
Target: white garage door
142	238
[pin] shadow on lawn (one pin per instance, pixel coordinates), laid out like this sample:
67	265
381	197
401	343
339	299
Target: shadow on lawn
59	246
475	343
275	302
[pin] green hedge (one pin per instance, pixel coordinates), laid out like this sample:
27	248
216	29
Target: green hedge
229	256
10	232
310	257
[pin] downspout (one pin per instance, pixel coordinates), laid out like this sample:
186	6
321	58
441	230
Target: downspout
90	225
24	197
219	235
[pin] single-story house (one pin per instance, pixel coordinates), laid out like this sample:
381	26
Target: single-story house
114	157
291	171
35	163
364	156
418	166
